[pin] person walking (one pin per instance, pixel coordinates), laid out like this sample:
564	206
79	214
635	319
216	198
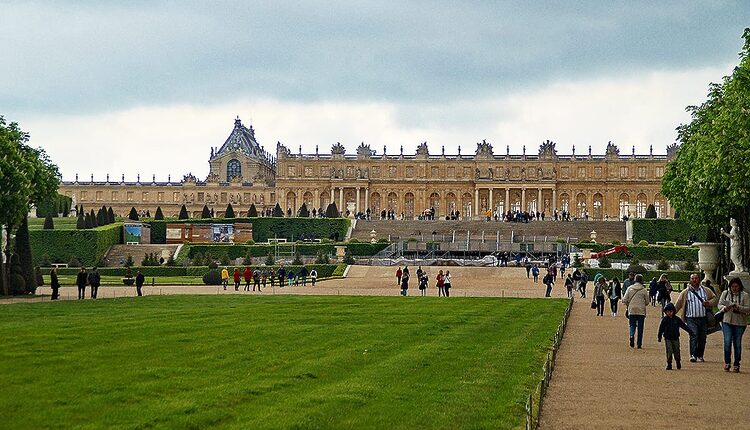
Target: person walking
636	299
600	291
404	283
423	279
237	277
54	283
272	277
569	285
313	276
548	280
653	290
290	277
248	275
628	282
577	279
694	302
535	273
528	269
94	281
399	272
670	328
440	283
615	294
139	280
224	277
735	304
281	273
584	281
303	275
256	279
81	280
447	284
663	291
264	277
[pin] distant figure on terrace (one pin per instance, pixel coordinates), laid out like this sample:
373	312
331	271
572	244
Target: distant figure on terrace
399	272
224	277
139	280
81	280
237	279
54	283
248	275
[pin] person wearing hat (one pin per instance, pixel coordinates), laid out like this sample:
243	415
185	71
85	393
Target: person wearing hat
669	328
735	304
600	288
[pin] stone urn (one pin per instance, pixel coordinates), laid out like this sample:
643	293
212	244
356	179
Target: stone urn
708	258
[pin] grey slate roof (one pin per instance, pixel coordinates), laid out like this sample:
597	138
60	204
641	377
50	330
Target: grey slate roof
242	139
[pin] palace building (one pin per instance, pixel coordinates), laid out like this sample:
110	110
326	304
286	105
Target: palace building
607	186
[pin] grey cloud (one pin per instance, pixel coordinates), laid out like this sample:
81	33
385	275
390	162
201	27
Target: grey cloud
83	57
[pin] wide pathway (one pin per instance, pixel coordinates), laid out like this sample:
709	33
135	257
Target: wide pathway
600	382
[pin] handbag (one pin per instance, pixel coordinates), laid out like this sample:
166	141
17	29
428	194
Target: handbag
593	303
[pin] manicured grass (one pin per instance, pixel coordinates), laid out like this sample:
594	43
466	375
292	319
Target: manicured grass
273	362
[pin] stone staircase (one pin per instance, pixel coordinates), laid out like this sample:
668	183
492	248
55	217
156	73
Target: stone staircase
454	231
117	254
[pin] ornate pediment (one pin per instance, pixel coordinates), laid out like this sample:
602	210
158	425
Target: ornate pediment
338	149
547	149
189	178
282	151
364	150
672	150
484	149
422	149
212	177
612	150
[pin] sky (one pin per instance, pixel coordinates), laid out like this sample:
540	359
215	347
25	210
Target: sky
148	87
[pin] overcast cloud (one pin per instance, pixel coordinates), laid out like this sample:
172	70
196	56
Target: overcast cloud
160	78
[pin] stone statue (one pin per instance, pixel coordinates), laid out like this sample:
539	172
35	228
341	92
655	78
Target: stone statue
735	248
490	172
476	174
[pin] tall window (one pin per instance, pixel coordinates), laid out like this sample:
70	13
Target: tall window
234	168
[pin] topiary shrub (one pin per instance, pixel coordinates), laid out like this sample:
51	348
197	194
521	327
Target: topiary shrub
39	279
158	215
269	259
74	262
332	211
16	279
643	243
252	212
133	215
48	223
663	265
129	261
297	259
277	212
669	243
248	259
229	212
303	211
212	277
604	262
650	211
183	213
80	222
636	267
322	258
205	213
348	259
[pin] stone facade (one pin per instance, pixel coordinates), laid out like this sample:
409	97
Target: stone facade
605	186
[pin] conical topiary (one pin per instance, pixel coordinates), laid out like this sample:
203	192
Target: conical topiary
158	215
81	222
277	212
252	212
110	215
94	222
229	212
48	223
303	211
133	215
332	211
205	214
89	223
183	213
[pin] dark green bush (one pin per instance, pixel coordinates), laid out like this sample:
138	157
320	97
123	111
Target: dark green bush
133	215
663	265
48	223
604	262
212	277
183	213
662	230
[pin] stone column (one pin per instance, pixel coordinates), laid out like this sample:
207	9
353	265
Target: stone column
523	200
491	204
356	206
554	200
506	208
476	204
331	200
342	209
669	210
367	198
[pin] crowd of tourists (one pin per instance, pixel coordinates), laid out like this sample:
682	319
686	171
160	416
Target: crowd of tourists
260	277
90	279
442	281
694	311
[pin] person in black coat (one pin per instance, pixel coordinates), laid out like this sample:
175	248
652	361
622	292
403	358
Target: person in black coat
670	328
81	280
54	283
94	280
281	273
139	279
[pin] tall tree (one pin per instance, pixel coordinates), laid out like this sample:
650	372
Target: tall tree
89	222
183	213
94	220
81	222
100	219
708	181
110	215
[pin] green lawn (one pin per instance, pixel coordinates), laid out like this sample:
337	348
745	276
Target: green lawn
273	362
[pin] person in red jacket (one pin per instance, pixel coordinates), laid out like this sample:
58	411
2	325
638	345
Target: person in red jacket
398	276
237	278
248	278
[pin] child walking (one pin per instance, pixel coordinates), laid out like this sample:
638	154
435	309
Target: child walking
670	328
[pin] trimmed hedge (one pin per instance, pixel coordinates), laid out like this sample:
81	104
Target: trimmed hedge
265	228
324	270
648	253
88	246
366	249
673	275
261	250
663	230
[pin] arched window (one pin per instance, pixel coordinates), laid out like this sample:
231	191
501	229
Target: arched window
234	168
624	205
640	206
